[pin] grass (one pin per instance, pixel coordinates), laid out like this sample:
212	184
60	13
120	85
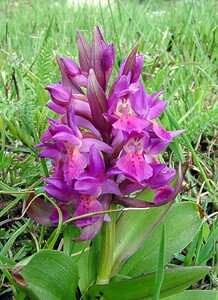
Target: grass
179	42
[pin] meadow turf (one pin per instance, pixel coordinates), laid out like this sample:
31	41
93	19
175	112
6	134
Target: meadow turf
179	42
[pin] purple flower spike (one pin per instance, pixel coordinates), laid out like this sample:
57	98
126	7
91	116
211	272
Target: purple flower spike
105	143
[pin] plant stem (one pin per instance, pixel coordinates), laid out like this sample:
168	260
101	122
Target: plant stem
107	249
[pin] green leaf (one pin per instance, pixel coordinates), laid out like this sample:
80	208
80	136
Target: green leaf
175	281
194	295
182	224
160	268
49	275
87	264
12	239
85	254
132	228
205	252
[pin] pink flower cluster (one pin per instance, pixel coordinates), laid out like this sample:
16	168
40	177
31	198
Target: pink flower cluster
106	140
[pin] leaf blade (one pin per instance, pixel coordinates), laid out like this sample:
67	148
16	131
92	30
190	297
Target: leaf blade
178	235
175	281
50	275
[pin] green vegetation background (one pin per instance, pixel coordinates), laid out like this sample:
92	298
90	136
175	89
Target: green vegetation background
179	42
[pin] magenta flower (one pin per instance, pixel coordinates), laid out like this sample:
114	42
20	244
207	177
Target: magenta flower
133	163
106	140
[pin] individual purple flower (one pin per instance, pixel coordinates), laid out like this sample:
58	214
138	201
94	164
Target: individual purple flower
92	184
97	180
132	161
105	143
121	107
67	148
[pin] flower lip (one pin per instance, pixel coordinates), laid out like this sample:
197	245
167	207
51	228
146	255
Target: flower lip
123	107
135	145
87	204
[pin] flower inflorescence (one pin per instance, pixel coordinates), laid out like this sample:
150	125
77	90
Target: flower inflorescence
106	140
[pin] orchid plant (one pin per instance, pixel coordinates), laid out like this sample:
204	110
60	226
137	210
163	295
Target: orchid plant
105	147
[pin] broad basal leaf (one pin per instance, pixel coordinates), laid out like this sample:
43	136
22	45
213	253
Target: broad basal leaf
132	228
49	275
175	281
194	295
182	224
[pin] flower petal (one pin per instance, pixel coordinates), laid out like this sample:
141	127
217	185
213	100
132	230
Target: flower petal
163	194
75	163
56	108
135	167
74	72
156	109
100	146
130	123
176	132
90	231
84	123
161	176
49	153
139	101
110	187
59	94
58	189
161	133
71	86
157	146
96	162
88	185
88	204
68	137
